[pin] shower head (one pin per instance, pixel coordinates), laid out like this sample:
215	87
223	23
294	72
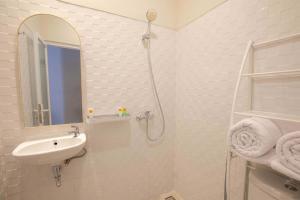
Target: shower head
151	15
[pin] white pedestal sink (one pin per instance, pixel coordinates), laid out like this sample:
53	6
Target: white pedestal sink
51	150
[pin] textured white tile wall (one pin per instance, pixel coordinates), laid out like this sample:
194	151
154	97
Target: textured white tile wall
120	163
209	54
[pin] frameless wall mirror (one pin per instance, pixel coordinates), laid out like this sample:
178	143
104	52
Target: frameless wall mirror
50	72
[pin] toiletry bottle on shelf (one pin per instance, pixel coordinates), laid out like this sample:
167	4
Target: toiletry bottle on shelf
122	111
90	113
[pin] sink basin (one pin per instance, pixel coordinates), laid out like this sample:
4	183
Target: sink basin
50	150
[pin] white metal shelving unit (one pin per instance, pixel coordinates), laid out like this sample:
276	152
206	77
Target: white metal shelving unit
276	116
274	74
252	76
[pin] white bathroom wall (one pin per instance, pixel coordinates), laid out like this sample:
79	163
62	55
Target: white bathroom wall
209	54
120	163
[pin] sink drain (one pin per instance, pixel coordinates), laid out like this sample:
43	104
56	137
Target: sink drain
55	142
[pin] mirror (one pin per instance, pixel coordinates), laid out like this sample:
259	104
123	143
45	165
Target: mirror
50	72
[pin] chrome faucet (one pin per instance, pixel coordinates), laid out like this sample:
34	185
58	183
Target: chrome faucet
145	115
75	131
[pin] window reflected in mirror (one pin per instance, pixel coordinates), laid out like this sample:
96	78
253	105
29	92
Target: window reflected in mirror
50	71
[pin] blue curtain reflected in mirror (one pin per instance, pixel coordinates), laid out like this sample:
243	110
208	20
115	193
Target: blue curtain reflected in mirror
64	84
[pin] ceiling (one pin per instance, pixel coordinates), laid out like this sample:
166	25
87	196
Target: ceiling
171	13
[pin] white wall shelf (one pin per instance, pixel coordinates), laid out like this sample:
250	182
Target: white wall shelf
274	74
268	115
107	118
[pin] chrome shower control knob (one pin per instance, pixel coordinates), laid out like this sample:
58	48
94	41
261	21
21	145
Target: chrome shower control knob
144	115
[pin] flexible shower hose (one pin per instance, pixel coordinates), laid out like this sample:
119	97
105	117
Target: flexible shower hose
154	92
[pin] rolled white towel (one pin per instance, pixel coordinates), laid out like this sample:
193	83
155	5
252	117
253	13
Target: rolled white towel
288	151
253	137
277	165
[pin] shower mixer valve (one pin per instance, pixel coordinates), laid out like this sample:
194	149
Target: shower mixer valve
144	115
